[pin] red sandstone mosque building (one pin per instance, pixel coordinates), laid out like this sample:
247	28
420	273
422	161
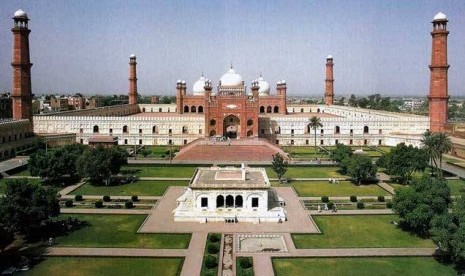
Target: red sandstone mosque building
228	110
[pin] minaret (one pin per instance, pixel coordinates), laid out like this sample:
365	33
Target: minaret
22	95
438	95
329	92
132	80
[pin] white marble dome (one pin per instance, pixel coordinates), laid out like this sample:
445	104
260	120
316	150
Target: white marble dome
199	87
231	79
132	56
329	57
440	16
264	87
20	13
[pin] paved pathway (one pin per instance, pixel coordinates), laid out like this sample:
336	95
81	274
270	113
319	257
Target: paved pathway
386	187
115	252
13	163
262	265
105	211
193	262
70	188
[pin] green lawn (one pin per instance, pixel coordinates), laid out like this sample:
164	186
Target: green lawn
140	188
159	171
358	231
158	151
344	188
424	266
307	172
119	231
456	186
3	183
74	266
20	173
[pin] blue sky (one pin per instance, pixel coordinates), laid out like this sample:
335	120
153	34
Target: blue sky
378	46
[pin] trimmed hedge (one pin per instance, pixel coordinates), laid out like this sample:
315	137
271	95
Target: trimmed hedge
78	197
353	198
69	203
360	205
98	204
106	198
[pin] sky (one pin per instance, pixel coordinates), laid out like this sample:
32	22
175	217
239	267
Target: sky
379	46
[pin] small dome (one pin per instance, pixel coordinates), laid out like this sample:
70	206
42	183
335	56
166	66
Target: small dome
329	57
264	87
183	82
20	14
440	17
231	79
132	56
199	87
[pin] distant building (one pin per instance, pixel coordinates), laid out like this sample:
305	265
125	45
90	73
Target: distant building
59	103
412	104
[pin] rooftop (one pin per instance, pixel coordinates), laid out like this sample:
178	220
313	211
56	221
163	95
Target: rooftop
230	177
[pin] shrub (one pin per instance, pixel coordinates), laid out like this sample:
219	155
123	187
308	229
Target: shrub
324	199
134	198
245	263
330	205
98	204
389	204
213	248
78	197
215	238
106	198
353	198
128	204
211	262
69	203
381	198
360	205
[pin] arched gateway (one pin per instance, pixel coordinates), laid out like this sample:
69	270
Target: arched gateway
231	126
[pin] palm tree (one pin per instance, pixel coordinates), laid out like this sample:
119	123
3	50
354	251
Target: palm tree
443	145
436	144
315	122
429	145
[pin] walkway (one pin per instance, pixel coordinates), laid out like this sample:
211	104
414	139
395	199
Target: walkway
13	163
193	262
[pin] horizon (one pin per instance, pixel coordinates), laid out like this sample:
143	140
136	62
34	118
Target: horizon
181	40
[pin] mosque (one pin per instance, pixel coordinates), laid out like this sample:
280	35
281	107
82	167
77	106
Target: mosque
229	108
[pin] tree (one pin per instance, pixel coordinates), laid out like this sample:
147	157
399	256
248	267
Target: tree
279	165
315	122
420	202
26	207
360	168
145	152
100	163
340	152
6	237
402	161
353	100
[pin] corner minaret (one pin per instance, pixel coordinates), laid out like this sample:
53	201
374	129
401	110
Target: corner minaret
22	95
132	80
329	91
438	94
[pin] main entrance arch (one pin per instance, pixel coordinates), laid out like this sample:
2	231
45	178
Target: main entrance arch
231	126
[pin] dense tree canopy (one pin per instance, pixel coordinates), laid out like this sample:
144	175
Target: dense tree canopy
375	101
279	165
402	161
25	206
360	168
100	163
340	152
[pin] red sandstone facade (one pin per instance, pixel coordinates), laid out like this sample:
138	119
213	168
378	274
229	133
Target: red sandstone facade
329	81
22	95
132	80
438	94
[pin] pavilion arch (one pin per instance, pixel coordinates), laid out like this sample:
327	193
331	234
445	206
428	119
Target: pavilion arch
143	109
193	109
184	129
239	201
249	133
276	109
318	110
212	133
154	129
262	109
337	130
366	129
159	109
125	129
200	109
229	201
268	109
95	129
219	201
186	109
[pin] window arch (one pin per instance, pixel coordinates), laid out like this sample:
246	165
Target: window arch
159	109
184	129
154	129
262	109
212	133
143	109
249	122
200	109
125	129
95	129
219	201
239	201
318	110
229	201
268	109
276	109
186	109
365	129
193	109
212	122
249	133
337	130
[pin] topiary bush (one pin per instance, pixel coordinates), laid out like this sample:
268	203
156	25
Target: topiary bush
134	198
360	205
381	198
211	262
213	248
325	199
330	205
98	204
389	204
69	203
215	238
353	198
106	198
245	263
78	197
128	204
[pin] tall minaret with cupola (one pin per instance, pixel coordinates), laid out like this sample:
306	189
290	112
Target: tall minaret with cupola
329	81
132	80
438	90
22	94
